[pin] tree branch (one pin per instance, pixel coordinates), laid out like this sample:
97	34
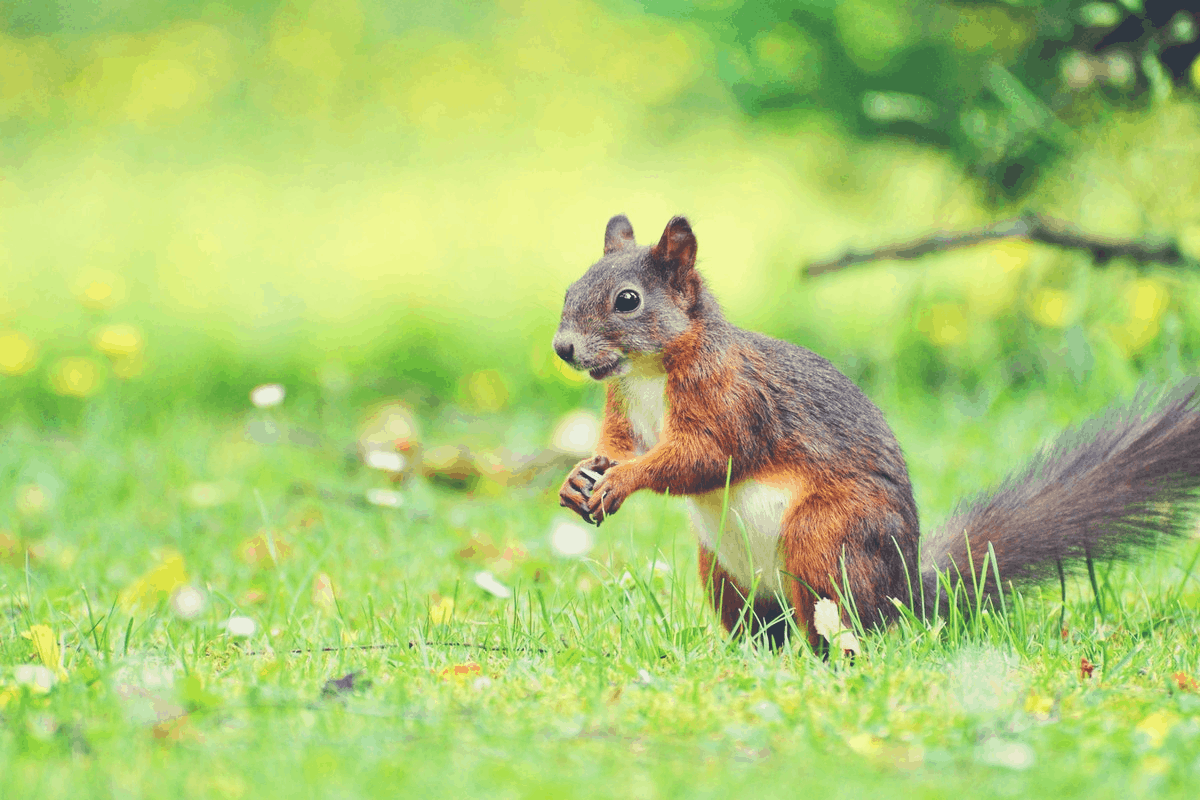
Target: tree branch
1031	226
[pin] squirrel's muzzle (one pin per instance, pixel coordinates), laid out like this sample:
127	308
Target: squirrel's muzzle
565	347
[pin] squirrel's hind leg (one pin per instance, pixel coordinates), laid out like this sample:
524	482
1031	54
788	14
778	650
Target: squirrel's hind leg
765	617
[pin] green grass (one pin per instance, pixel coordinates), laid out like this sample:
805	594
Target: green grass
604	676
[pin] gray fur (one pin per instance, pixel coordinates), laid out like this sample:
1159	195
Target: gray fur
1120	482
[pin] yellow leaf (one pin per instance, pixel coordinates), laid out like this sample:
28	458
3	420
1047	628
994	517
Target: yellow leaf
45	644
323	593
157	584
864	744
441	611
1039	705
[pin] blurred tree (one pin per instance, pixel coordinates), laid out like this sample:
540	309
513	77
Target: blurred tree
1002	84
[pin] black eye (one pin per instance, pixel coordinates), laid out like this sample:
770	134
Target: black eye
627	300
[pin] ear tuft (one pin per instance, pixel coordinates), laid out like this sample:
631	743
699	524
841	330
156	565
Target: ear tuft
618	235
677	247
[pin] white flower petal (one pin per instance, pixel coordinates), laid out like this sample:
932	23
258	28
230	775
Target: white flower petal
386	460
243	627
187	602
828	622
384	497
487	581
35	676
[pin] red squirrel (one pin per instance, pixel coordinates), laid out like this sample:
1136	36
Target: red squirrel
819	500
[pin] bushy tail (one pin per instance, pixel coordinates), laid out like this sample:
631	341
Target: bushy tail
1120	482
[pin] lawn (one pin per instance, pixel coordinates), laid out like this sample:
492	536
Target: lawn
208	605
378	206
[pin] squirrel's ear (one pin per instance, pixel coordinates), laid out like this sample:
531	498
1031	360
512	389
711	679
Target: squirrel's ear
675	255
618	235
677	247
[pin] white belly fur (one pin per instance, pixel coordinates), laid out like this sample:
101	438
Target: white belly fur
749	547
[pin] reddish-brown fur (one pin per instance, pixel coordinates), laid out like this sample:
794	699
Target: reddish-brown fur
741	406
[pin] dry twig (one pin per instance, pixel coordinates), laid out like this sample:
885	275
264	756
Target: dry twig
1031	226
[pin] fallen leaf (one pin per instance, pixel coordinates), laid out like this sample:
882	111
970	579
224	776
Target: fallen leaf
461	670
157	584
347	683
45	644
1185	682
441	610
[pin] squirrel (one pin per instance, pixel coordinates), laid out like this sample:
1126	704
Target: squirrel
797	488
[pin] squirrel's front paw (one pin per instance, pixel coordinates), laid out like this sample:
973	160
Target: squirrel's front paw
608	495
577	488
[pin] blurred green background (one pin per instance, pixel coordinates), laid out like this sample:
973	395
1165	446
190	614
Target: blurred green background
364	199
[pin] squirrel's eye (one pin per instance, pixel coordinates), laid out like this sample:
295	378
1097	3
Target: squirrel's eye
627	300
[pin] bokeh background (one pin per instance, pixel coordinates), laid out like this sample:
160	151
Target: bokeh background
364	200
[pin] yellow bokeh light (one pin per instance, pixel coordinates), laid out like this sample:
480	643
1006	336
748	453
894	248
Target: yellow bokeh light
1051	307
99	289
161	87
1012	254
18	353
944	324
118	340
1147	299
487	390
76	377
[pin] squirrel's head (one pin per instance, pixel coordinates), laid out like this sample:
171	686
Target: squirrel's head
632	302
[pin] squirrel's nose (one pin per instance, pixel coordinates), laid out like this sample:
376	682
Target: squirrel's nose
565	349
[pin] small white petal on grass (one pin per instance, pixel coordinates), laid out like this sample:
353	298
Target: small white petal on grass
828	622
187	602
481	683
38	677
205	495
577	433
267	395
1000	753
384	497
487	581
386	460
241	626
570	539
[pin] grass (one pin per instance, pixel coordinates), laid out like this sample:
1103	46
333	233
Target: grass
601	676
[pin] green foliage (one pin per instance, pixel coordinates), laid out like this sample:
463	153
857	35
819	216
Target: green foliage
1001	85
